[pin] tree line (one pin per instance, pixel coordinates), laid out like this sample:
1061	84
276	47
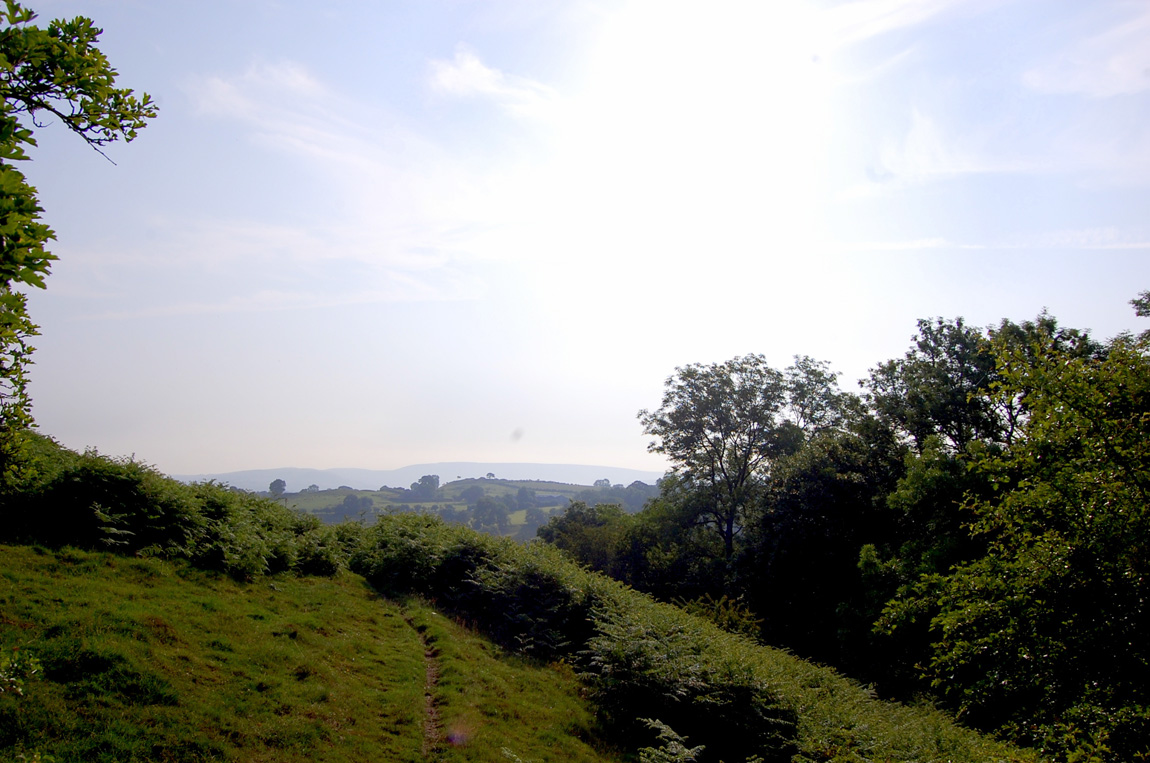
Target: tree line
971	527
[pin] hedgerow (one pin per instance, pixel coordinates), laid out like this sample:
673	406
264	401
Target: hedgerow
92	501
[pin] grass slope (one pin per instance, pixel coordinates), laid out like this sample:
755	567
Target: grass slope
153	660
150	659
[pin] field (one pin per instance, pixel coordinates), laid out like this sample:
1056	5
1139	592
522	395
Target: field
144	659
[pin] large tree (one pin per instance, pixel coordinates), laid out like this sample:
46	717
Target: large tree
1046	634
47	74
724	425
937	390
719	426
426	489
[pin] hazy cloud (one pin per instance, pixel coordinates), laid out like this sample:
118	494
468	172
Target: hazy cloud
1114	62
928	151
467	76
403	201
864	19
903	246
1102	238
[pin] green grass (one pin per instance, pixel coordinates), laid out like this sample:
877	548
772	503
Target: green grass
491	701
498	487
327	499
153	660
643	659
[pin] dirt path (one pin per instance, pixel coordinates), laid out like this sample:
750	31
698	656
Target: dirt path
432	724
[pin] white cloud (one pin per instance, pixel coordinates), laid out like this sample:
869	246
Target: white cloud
402	201
928	152
222	267
861	20
910	245
259	93
1114	62
1108	238
467	76
288	108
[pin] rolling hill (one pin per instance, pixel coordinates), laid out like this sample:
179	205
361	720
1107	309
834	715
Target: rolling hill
370	479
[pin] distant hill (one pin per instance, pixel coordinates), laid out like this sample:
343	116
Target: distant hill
371	479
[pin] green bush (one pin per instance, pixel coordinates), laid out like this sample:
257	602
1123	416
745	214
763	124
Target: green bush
244	535
92	501
535	601
680	670
103	502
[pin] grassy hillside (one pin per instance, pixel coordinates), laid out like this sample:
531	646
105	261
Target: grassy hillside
227	627
643	659
145	659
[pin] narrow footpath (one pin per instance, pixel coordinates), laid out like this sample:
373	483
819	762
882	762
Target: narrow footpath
433	735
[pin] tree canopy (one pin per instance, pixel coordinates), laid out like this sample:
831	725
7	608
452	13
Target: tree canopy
724	425
1047	633
972	529
53	73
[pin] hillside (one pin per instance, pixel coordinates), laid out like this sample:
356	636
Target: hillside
144	659
514	508
151	660
370	479
227	627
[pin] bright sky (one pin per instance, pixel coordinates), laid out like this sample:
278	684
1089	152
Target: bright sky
373	234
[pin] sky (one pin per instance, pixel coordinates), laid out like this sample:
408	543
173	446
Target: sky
374	234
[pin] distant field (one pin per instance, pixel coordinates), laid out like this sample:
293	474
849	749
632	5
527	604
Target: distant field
333	506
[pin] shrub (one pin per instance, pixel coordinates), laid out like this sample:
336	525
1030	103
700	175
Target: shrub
99	502
92	501
688	675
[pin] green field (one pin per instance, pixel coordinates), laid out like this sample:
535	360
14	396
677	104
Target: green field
152	660
328	505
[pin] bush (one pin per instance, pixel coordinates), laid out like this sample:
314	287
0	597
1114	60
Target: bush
92	501
97	502
244	535
689	676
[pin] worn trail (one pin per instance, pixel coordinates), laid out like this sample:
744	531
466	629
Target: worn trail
433	735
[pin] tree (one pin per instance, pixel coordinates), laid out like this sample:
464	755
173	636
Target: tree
725	425
799	569
1141	305
277	488
718	425
58	72
1046	635
354	504
490	515
471	494
526	499
533	519
589	534
426	489
938	388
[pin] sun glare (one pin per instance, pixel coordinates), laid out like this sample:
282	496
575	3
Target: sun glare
693	128
690	151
